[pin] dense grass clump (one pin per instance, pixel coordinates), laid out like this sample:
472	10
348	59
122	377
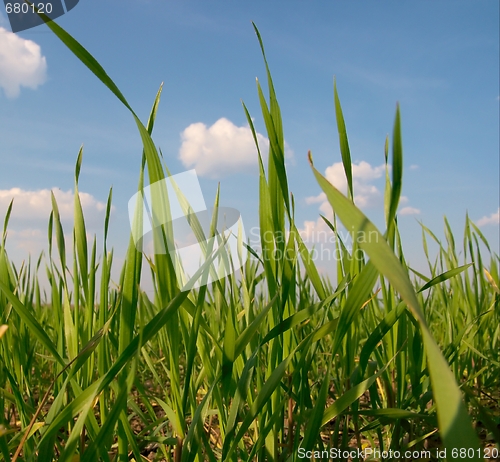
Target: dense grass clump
265	366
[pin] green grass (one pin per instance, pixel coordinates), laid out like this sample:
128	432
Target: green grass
256	367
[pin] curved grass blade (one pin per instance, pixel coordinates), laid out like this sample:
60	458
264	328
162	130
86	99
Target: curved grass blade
454	422
344	142
444	276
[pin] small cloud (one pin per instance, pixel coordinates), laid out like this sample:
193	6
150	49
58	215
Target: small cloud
221	149
365	194
27	230
414	167
493	219
317	232
21	64
409	211
37	205
316	199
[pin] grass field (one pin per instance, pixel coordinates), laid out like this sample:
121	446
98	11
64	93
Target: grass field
276	364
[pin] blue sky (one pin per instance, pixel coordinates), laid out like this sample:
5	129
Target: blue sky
439	60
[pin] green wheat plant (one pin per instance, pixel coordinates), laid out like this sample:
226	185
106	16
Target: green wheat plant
262	367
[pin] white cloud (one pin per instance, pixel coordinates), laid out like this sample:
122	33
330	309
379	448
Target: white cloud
38	205
21	63
493	219
221	149
414	167
409	211
316	232
30	240
27	230
316	199
365	194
